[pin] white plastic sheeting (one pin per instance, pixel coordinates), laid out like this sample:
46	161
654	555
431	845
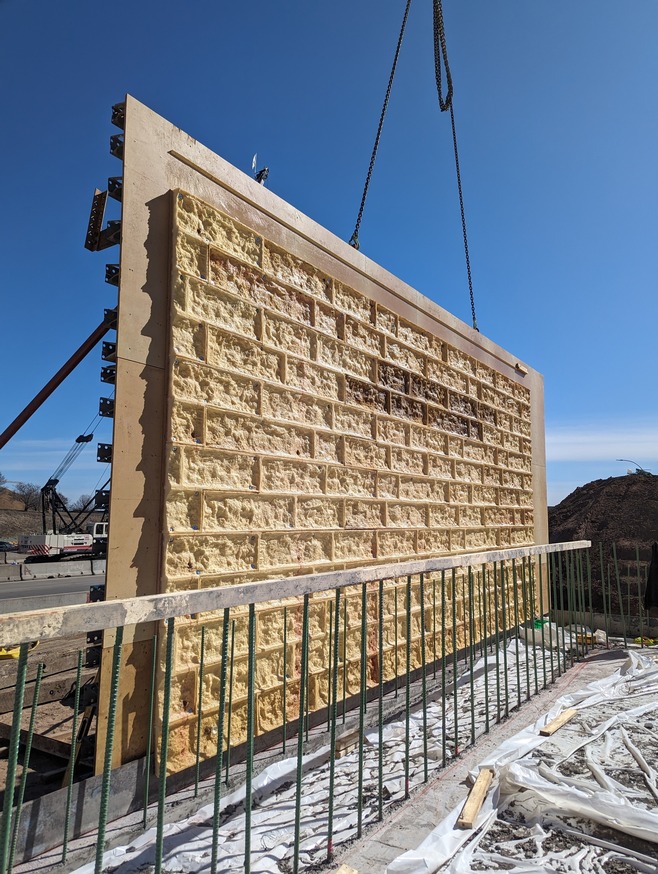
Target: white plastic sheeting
187	845
583	800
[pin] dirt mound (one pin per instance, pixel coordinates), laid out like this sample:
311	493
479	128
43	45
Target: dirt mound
9	500
620	509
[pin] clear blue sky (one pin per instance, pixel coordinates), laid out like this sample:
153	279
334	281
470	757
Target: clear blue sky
558	130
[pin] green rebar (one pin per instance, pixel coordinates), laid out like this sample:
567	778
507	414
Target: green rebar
515	593
74	751
344	656
564	644
332	749
423	675
603	595
533	605
109	746
230	702
199	713
471	631
454	660
434	622
329	665
553	595
285	680
397	664
149	736
300	737
589	590
541	616
251	683
380	715
407	701
362	706
503	605
12	762
497	637
485	581
639	595
26	764
524	596
217	789
621	603
580	580
164	745
443	668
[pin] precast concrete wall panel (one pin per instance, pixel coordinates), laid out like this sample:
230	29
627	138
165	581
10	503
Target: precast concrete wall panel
309	412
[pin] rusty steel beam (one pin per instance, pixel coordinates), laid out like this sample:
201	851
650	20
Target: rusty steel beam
64	371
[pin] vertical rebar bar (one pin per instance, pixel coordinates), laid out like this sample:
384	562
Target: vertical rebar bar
515	601
471	647
12	758
329	664
397	657
639	595
344	656
230	702
217	788
443	668
332	749
533	616
284	701
621	603
109	747
199	713
407	698
380	714
434	621
362	705
455	705
26	765
524	596
251	726
589	590
485	607
70	774
149	736
497	637
503	605
541	617
423	674
300	737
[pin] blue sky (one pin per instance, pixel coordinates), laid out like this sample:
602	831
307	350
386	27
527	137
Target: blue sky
558	131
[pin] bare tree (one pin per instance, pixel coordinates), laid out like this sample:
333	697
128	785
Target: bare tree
3	479
30	493
80	503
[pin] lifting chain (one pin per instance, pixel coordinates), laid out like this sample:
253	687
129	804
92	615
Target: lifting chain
354	239
441	57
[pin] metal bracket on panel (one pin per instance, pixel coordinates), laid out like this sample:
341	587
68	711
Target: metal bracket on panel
109	374
109	352
110	315
106	407
104	453
95	223
115	187
102	499
112	274
116	146
119	115
96	593
109	236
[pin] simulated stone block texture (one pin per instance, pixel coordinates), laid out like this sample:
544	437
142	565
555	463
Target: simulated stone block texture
311	428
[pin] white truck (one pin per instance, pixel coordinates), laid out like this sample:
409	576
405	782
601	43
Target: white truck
55	544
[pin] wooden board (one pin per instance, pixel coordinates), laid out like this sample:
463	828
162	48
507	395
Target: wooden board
346	743
475	799
551	727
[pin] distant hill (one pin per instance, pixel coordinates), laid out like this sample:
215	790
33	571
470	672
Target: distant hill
9	500
620	509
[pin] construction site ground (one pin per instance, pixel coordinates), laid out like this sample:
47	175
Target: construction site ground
405	824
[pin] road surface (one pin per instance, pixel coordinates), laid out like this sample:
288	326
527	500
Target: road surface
35	594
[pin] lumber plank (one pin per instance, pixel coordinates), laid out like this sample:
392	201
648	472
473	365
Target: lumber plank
41	742
346	743
552	726
475	799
